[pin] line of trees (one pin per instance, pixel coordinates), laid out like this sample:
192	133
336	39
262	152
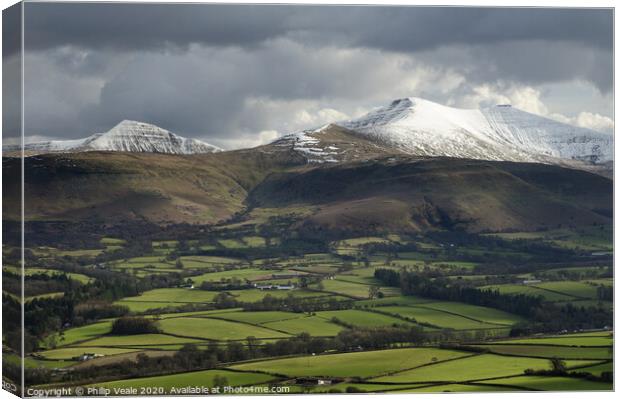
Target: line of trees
297	304
439	288
134	325
542	316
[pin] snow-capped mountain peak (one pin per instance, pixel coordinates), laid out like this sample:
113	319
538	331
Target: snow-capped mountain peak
128	136
502	132
133	136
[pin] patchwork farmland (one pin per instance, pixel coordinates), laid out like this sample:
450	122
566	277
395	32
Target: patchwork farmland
394	313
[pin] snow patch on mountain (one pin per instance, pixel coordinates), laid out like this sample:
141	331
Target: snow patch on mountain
308	144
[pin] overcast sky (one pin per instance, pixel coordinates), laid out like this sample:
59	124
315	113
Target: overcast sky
239	76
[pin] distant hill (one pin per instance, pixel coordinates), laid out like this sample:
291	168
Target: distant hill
127	136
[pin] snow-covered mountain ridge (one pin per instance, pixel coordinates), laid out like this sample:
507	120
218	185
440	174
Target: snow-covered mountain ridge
414	126
407	126
127	136
422	127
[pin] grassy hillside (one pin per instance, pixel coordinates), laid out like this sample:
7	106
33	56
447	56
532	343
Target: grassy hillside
111	187
399	193
419	194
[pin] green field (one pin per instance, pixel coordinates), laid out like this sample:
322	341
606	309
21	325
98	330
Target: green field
355	290
358	278
31	362
360	364
146	259
259	317
112	241
86	332
139	340
112	244
608	282
374	388
254	241
197	378
356	242
151	267
254	295
552	383
30	271
215	329
312	325
435	318
586	239
70	352
245	242
566	340
47	252
361	318
173	295
571	288
240	274
232	244
48	295
140	306
487	315
395	301
165	243
470	368
458	388
598	369
200	262
197	313
563	352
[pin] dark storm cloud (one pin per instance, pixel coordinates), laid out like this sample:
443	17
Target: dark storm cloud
149	26
11	30
225	72
11	72
538	61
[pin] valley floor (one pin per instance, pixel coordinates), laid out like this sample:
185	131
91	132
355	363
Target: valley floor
267	314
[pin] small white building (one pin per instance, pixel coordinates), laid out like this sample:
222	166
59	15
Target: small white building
274	287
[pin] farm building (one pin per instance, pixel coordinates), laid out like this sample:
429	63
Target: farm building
275	287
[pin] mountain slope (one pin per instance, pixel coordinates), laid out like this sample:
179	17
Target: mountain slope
409	194
116	187
396	192
421	127
127	136
333	144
